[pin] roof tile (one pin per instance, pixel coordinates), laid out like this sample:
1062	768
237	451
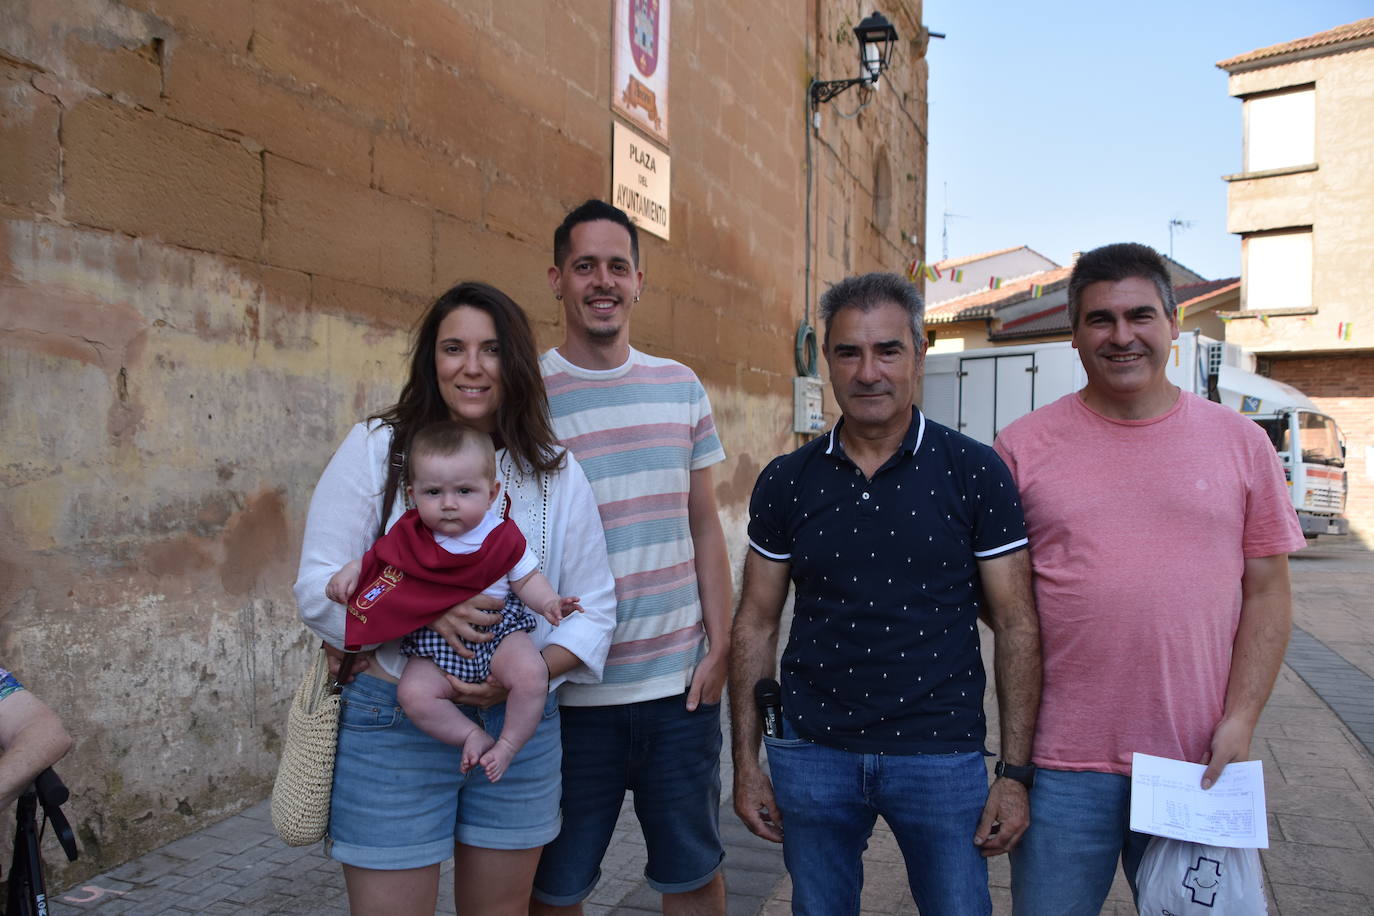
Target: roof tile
1053	321
985	302
1196	292
1351	31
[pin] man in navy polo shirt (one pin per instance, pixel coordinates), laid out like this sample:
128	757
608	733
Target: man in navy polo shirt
898	534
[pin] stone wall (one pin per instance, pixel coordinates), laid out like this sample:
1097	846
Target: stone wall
218	221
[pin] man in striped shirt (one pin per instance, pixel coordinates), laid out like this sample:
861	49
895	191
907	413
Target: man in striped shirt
641	428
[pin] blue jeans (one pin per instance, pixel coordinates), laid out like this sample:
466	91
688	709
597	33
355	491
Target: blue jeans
670	759
1066	860
830	800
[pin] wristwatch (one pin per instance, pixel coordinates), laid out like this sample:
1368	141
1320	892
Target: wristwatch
1024	775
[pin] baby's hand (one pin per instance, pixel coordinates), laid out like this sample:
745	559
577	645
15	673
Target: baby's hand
557	609
343	583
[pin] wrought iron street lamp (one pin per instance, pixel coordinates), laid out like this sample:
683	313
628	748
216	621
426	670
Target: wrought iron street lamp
876	37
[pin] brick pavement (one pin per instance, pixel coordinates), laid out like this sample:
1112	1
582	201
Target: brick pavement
1319	776
1346	689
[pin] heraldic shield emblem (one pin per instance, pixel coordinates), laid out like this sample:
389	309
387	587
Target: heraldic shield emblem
643	23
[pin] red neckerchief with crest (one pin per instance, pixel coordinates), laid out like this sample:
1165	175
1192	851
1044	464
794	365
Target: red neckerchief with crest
408	581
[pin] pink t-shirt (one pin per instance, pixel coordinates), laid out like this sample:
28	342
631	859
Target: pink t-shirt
1139	532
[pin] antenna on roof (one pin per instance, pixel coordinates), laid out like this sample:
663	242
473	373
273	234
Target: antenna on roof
1181	225
946	216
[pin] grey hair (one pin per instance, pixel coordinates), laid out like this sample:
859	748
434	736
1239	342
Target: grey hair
1114	263
868	291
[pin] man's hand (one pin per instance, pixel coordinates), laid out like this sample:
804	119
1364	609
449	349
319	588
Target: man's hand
708	681
336	656
1005	817
713	588
753	644
1266	619
755	804
460	621
1230	742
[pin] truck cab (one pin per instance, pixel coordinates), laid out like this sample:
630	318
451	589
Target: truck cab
1313	455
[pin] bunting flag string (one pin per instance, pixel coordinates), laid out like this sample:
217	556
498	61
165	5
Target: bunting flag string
1182	310
917	269
1036	290
1343	330
994	282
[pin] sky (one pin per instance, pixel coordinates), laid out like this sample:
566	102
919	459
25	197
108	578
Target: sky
1068	124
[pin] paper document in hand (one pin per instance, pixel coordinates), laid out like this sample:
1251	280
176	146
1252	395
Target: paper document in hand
1167	799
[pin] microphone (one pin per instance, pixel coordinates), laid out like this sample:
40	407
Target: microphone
768	699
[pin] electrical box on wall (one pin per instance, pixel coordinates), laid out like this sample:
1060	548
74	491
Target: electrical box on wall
807	413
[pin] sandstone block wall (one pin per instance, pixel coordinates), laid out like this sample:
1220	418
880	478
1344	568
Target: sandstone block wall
218	221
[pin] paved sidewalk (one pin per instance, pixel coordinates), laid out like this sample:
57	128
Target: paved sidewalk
1319	775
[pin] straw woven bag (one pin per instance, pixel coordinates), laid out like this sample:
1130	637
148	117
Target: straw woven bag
305	779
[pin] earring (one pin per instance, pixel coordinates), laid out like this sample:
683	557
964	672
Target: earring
558	296
636	298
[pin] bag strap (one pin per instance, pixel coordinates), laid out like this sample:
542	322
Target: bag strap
345	669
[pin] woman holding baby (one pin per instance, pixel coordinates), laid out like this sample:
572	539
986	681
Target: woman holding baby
401	802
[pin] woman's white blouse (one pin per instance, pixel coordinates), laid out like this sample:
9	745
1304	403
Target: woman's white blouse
557	513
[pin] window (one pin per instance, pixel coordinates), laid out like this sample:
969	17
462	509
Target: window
1321	441
1280	130
1278	270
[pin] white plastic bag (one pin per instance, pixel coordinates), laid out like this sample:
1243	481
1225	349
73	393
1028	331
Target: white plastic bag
1178	878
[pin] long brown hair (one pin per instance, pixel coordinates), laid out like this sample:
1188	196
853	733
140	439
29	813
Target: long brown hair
522	423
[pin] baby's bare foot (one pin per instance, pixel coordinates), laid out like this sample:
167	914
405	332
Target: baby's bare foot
475	748
497	759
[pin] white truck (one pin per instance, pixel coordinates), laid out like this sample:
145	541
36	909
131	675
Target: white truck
978	392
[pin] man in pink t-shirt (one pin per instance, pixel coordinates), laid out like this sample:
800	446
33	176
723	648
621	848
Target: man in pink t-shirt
1159	528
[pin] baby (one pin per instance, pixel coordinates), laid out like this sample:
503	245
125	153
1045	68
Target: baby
452	540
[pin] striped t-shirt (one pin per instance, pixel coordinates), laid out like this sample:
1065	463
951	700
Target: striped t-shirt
639	431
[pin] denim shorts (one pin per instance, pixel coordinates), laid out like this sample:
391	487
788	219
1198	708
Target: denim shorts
670	759
830	800
400	802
